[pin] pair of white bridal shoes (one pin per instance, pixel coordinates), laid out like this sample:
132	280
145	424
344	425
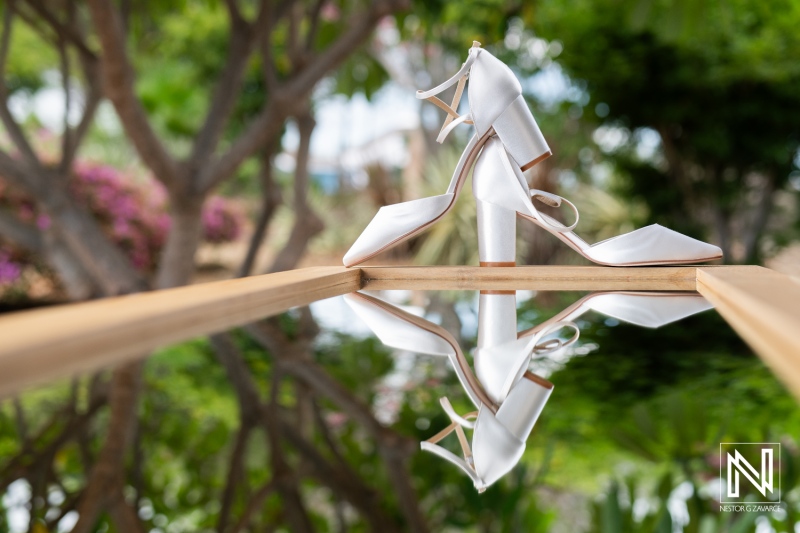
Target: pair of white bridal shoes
507	141
508	397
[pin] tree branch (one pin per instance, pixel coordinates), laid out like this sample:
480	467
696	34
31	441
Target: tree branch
18	466
247	395
270	200
306	224
235	475
93	98
119	87
23	235
339	479
64	64
296	362
234	13
267	125
358	32
288	97
14	131
104	487
22	423
394	448
296	514
313	25
226	92
67	32
125	516
18	173
255	504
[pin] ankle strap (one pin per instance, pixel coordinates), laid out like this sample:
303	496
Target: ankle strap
455	417
462	73
456	425
453	119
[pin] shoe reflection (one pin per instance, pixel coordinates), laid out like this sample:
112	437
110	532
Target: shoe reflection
508	397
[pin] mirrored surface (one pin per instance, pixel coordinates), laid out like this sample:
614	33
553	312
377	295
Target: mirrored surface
412	410
566	403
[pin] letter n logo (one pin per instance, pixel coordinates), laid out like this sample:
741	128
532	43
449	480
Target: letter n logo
741	474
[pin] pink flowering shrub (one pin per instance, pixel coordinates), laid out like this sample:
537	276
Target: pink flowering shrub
133	214
221	222
9	270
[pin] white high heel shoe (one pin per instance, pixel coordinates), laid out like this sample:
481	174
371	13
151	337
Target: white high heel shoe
496	107
645	309
508	397
502	193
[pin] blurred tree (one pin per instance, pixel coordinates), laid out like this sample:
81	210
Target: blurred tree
717	82
298	44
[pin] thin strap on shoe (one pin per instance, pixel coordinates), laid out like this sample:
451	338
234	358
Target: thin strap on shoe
453	118
551	345
463	421
457	422
554	200
456	460
546	198
462	72
451	124
534	346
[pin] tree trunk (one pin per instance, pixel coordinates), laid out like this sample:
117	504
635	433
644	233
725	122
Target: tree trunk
177	260
754	230
75	280
721	223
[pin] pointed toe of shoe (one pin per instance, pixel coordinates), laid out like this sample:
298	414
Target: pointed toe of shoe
653	245
714	252
351	258
395	223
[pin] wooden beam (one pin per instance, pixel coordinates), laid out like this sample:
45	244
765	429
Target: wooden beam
763	306
564	278
43	345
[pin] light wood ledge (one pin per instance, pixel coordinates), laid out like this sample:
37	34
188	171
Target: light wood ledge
42	345
46	344
550	277
763	306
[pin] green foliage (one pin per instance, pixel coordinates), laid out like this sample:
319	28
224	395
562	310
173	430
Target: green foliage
361	73
716	81
178	62
456	24
29	57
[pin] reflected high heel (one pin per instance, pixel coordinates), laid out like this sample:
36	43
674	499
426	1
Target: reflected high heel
645	309
499	437
508	397
400	329
497	107
502	193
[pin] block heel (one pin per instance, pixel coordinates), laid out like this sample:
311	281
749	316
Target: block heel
521	135
497	239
